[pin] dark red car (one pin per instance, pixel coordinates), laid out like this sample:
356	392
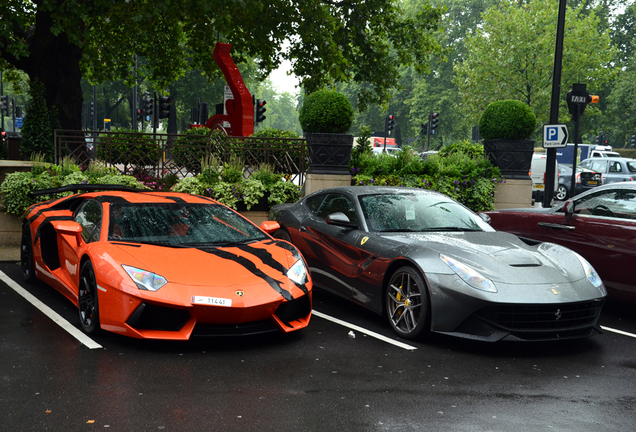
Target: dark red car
599	224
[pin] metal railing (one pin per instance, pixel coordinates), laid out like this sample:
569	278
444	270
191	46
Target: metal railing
160	155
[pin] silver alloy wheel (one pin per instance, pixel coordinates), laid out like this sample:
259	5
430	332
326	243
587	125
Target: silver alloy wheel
561	193
407	302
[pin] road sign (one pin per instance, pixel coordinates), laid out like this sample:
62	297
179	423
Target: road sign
555	136
18	122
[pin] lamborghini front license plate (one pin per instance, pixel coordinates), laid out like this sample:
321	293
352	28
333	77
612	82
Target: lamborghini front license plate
215	301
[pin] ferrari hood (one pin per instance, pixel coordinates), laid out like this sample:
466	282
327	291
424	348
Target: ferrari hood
499	256
243	265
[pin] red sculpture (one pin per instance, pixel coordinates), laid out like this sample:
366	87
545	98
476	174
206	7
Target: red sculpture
240	110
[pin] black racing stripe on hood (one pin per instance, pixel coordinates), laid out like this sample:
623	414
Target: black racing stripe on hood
267	259
289	247
251	267
49	219
111	199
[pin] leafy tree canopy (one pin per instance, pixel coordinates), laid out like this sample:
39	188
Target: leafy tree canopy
512	56
58	42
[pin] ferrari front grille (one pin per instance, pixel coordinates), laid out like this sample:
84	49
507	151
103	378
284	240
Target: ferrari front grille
153	317
542	317
294	309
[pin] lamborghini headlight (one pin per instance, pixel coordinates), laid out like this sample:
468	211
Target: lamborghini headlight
591	274
470	276
298	273
145	280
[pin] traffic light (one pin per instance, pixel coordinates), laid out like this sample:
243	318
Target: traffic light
164	107
140	115
91	111
260	110
599	139
4	104
434	121
390	123
424	128
148	107
632	143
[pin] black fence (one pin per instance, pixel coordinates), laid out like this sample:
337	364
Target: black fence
162	155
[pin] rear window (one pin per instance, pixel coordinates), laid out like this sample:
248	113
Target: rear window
631	166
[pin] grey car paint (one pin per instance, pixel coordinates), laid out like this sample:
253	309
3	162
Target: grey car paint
356	263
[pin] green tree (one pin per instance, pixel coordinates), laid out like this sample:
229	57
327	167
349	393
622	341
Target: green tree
39	124
511	56
328	41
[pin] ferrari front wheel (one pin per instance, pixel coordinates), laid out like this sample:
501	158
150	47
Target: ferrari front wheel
26	255
87	301
407	303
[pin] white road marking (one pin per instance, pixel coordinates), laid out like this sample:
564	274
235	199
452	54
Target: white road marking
363	330
621	332
72	330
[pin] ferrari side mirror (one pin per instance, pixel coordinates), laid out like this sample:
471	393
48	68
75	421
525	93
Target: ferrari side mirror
340	219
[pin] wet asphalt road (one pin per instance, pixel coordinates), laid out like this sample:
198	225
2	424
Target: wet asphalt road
319	379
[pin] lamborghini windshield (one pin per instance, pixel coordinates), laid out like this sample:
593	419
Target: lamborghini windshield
418	212
180	224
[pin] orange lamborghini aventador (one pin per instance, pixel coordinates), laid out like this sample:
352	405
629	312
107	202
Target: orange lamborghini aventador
164	265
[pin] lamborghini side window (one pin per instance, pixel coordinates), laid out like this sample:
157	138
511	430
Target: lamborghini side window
90	218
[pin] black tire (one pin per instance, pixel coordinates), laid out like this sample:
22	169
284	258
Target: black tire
406	303
561	193
27	263
282	235
87	301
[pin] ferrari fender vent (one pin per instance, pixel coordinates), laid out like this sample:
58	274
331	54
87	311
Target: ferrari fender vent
153	317
543	317
294	309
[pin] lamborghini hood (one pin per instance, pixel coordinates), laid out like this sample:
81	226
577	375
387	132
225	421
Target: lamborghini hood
244	265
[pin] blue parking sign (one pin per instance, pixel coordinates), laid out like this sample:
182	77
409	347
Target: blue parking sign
555	136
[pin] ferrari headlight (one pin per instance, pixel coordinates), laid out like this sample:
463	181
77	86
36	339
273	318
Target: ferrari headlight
590	273
145	280
298	272
469	275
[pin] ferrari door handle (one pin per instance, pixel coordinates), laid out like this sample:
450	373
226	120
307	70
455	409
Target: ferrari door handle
556	226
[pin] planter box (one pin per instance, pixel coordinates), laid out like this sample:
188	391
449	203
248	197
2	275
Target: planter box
329	153
512	157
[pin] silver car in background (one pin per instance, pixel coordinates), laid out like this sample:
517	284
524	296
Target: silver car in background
614	169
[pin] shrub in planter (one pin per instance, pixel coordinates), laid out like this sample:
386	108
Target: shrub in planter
506	126
326	111
507	119
325	116
17	186
460	171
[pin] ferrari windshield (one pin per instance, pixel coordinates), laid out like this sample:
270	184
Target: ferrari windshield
180	224
418	212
